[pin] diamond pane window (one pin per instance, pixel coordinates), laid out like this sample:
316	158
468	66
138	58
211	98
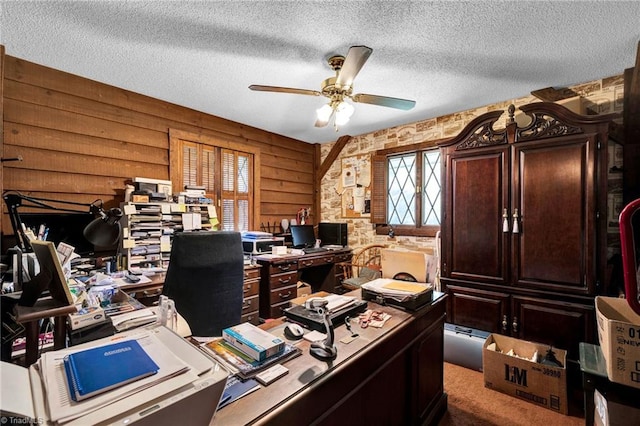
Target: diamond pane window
431	200
401	190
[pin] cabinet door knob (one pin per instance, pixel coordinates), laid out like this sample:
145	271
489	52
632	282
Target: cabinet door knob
516	228
505	221
514	325
505	323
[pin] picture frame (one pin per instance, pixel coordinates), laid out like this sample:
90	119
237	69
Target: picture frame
50	264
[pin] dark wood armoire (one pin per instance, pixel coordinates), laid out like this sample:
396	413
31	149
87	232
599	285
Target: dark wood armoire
524	229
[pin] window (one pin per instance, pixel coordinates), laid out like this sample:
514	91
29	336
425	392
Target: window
226	170
406	192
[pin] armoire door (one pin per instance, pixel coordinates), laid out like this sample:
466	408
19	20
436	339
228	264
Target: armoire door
554	215
559	324
479	309
478	193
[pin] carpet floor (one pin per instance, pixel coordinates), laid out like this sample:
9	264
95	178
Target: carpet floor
470	403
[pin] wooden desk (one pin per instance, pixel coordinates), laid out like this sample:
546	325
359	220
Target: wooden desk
392	375
280	275
30	317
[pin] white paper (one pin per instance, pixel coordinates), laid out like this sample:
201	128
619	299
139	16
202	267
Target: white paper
211	210
348	177
130	209
15	390
358	199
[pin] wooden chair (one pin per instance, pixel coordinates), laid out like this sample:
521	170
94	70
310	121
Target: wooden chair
364	261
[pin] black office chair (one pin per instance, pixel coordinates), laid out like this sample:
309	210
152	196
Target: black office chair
205	279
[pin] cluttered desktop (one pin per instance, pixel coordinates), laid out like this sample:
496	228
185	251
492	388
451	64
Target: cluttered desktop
319	331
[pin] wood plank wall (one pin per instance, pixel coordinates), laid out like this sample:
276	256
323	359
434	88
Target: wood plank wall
82	140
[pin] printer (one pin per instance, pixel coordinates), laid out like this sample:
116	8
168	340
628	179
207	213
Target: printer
260	245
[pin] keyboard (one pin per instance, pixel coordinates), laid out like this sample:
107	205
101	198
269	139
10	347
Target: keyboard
309	250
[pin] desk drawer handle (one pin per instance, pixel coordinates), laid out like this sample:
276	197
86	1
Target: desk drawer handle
246	305
149	293
284	296
287	281
307	263
284	267
246	289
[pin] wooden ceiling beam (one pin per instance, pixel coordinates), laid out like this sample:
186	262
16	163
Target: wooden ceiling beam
323	168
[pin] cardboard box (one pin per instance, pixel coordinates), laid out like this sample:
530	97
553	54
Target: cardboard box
619	336
86	317
304	289
540	384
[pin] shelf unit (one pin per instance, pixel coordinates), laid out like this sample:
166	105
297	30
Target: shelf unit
148	229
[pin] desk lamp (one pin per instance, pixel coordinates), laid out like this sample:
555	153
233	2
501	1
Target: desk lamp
102	231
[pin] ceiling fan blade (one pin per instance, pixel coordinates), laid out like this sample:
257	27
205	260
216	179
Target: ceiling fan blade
260	88
385	101
356	57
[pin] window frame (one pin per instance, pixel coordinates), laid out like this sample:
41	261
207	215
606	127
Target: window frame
379	194
179	137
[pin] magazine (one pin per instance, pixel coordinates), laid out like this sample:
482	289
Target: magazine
243	365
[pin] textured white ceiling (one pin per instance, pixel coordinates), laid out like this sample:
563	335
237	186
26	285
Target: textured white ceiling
448	56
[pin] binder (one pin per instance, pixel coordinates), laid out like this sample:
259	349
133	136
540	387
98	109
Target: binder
97	370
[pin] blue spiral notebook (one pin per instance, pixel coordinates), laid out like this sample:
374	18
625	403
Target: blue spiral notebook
97	370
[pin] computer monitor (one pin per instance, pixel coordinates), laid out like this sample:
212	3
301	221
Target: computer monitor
303	236
62	227
333	234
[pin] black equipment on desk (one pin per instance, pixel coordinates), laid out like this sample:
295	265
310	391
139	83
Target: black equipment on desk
303	236
333	234
314	321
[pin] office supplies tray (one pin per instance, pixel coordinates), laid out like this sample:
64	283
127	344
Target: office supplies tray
313	320
410	303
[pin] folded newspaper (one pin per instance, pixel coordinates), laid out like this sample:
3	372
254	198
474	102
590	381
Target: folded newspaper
400	291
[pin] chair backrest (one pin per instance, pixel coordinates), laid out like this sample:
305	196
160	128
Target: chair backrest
367	256
205	279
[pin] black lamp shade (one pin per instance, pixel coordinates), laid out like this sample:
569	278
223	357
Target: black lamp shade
101	233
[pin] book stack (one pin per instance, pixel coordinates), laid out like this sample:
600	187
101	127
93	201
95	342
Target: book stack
240	350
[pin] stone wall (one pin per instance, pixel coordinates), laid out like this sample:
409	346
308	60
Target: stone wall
600	97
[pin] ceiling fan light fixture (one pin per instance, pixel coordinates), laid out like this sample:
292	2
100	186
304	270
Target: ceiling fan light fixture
324	113
344	111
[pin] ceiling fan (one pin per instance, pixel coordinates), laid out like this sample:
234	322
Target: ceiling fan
340	88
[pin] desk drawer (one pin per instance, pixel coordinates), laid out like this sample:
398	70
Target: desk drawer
282	280
342	257
279	268
251	317
283	294
250	304
250	288
315	261
251	273
277	311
